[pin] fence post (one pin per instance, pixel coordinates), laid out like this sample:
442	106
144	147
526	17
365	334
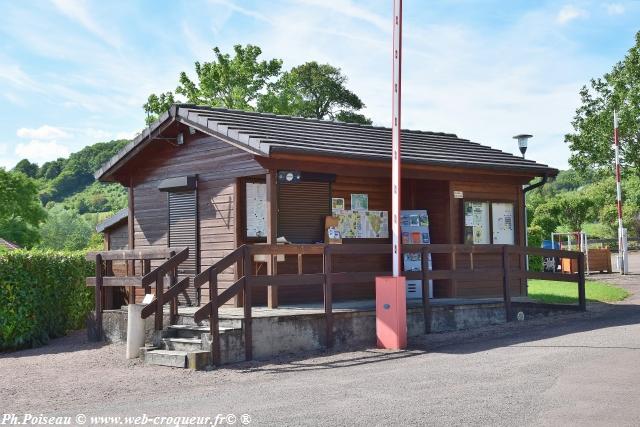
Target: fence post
98	298
506	289
214	328
328	297
173	304
426	304
248	340
582	297
159	297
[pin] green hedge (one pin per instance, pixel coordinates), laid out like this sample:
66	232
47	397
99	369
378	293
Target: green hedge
535	241
42	296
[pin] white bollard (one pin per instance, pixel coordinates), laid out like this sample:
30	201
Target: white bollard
135	330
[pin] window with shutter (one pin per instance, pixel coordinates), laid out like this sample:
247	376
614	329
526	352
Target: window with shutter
183	231
302	208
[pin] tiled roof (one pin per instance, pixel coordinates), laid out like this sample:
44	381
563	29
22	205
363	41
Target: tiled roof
118	217
264	134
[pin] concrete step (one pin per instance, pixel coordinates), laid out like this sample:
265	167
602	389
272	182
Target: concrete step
182	344
223	323
175	359
178	359
191	331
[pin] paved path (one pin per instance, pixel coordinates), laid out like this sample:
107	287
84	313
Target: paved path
581	369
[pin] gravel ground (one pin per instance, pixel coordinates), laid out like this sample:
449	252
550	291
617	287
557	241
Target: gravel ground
573	369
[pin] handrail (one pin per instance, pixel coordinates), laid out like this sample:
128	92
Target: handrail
226	262
168	265
153	279
132	254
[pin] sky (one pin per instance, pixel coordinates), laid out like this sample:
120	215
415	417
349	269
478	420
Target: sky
76	72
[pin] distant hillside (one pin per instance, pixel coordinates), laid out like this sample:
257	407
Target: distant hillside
70	182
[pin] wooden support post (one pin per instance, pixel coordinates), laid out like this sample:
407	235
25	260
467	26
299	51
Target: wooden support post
582	296
454	263
146	270
272	226
98	299
328	297
248	340
131	265
214	322
173	304
506	288
426	304
159	296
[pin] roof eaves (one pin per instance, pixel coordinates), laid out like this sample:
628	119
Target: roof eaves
140	140
538	169
118	217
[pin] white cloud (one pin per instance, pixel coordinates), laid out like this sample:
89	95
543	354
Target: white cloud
41	151
615	8
44	132
77	11
569	13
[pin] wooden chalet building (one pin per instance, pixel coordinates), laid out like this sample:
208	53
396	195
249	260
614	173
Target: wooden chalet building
214	179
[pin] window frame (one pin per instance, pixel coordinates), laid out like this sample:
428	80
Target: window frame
516	222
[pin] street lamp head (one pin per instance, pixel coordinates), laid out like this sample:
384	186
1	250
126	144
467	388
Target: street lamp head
523	140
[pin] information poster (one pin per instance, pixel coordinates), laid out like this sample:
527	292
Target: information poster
363	224
256	209
502	223
359	202
476	223
337	205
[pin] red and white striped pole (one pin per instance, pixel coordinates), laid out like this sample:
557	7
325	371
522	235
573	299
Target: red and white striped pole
395	136
622	245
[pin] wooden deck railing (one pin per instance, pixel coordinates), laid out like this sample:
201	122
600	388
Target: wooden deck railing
151	279
243	256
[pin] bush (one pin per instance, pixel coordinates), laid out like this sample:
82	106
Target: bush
535	237
42	296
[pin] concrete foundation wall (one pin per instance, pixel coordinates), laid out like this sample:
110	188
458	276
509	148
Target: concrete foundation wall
277	335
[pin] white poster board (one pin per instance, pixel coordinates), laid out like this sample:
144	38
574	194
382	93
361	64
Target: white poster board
476	223
256	209
502	223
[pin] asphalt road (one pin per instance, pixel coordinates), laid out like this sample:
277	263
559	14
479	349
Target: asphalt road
580	369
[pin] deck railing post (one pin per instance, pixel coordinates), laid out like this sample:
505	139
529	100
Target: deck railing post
98	298
214	328
173	304
248	340
327	269
506	288
159	297
582	297
426	304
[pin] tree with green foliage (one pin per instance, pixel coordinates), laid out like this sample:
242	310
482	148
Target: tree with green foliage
27	168
313	90
65	229
618	90
21	212
243	82
77	173
231	82
569	210
157	104
52	169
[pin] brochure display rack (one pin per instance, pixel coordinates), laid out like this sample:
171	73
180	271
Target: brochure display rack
414	225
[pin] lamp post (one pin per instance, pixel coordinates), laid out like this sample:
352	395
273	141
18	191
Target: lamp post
523	141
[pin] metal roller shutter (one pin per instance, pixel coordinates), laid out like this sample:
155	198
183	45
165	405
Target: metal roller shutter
183	231
302	208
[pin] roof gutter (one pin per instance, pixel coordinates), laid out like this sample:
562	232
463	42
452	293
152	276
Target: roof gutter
540	183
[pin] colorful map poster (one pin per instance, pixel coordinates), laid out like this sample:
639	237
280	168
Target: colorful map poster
364	224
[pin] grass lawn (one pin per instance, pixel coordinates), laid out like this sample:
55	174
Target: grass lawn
567	293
